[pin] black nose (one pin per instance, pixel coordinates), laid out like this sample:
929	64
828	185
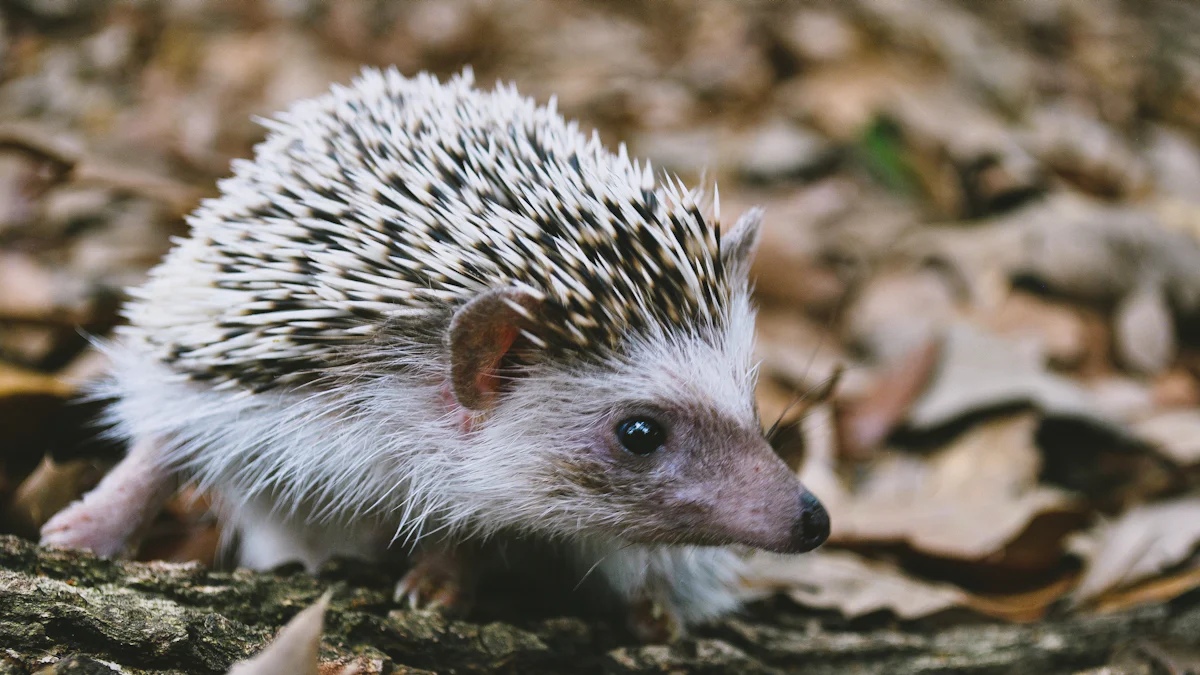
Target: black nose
812	527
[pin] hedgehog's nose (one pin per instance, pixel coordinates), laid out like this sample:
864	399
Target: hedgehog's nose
811	529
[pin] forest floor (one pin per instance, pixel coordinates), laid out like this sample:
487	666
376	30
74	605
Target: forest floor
982	218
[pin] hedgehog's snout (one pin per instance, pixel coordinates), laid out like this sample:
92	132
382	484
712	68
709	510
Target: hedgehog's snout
811	527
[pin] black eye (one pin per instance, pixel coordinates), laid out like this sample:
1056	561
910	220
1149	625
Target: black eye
641	435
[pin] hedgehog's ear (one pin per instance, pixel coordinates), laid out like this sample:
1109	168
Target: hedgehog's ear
738	245
482	333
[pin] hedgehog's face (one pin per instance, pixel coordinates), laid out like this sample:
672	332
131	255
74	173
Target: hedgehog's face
659	445
683	468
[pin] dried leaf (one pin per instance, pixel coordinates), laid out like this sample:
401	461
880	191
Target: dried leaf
795	350
294	650
1174	433
49	489
865	422
72	158
1094	252
1139	544
1175	389
1058	328
981	372
1155	591
1145	330
1023	607
786	269
965	502
899	311
1087	152
782	151
851	584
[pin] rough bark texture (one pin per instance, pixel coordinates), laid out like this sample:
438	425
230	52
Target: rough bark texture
64	613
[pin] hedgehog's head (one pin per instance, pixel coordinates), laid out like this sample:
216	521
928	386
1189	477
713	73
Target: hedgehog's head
661	444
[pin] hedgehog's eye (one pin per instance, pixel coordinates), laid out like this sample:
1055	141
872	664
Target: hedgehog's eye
641	435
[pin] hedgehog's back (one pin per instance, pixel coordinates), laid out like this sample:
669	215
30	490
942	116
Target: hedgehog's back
389	202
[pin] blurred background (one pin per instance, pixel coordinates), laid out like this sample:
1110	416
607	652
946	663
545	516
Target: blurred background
983	215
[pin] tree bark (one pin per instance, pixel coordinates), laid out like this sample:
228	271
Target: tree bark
63	612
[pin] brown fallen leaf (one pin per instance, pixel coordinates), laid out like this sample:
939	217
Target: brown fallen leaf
1144	328
1058	327
966	501
1087	152
1140	543
864	423
1176	389
900	310
1023	607
849	583
49	489
785	268
70	157
1174	433
1098	253
969	162
842	98
186	530
1158	590
981	372
795	350
294	649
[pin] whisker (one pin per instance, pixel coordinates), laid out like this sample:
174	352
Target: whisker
823	391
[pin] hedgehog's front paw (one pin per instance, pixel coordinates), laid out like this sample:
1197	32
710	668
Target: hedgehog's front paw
82	528
440	579
654	622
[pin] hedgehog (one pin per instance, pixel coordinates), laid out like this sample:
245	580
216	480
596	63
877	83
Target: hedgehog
431	317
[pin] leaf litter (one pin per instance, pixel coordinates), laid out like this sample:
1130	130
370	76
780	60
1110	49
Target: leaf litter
984	216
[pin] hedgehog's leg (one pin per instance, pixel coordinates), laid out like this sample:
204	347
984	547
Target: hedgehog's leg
666	589
442	577
111	518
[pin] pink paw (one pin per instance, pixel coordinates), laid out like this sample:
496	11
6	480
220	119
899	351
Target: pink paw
82	528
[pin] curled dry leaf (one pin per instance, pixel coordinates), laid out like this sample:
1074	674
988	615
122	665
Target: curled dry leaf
782	151
864	423
70	157
1145	331
48	490
795	350
785	268
1157	590
850	584
1140	543
966	501
294	650
1087	152
981	372
899	311
1174	433
1094	252
969	163
1059	328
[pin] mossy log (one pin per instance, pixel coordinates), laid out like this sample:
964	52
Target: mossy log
63	612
